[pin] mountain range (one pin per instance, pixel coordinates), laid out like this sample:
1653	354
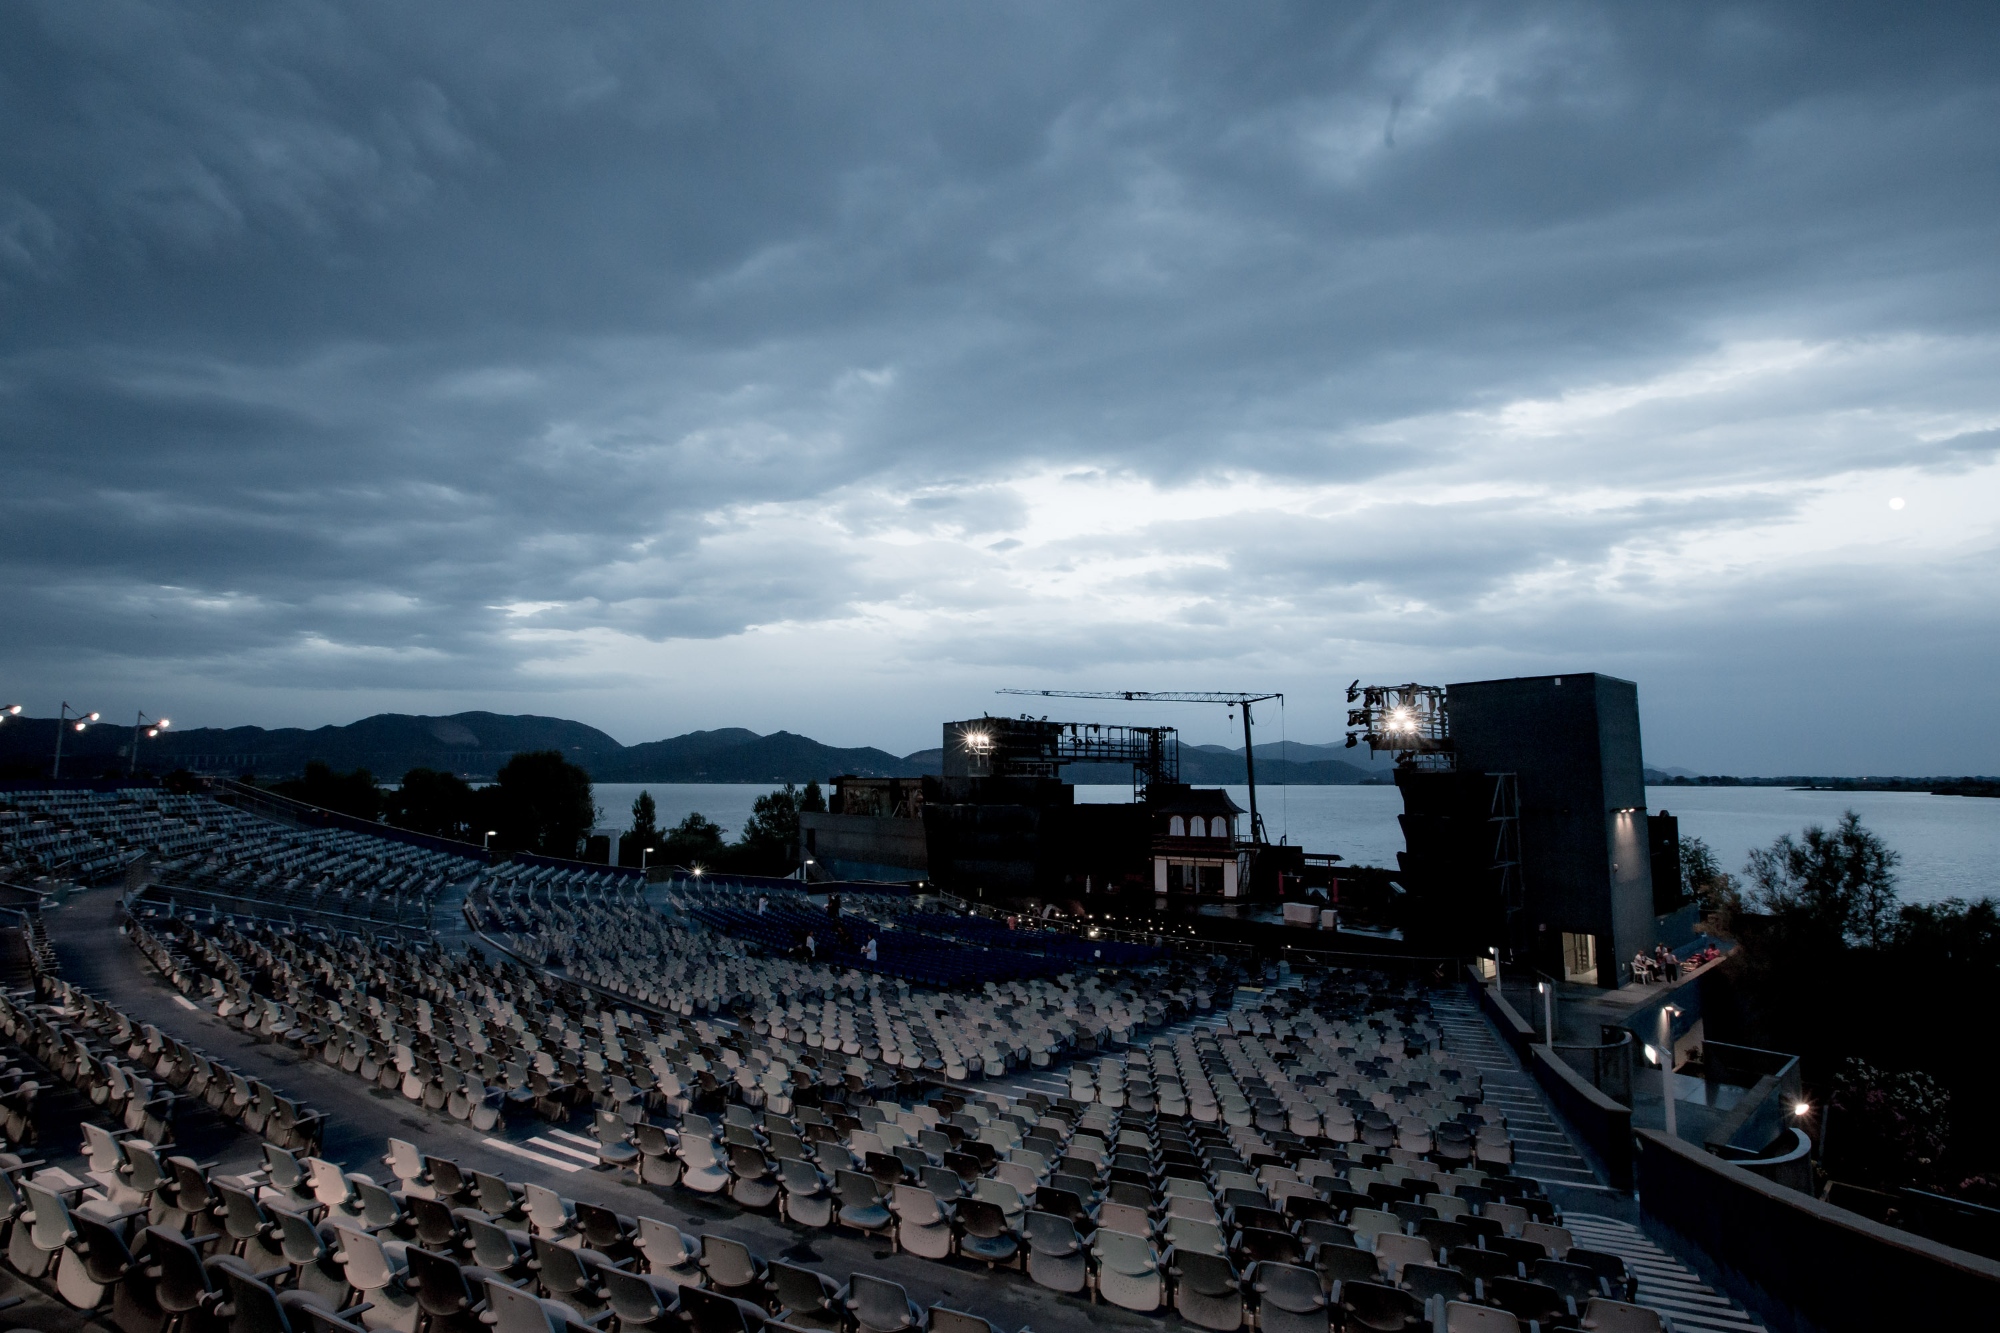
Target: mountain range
477	744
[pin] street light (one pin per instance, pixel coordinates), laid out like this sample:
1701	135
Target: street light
63	721
1548	1010
1667	1012
486	843
1495	951
644	852
138	722
9	710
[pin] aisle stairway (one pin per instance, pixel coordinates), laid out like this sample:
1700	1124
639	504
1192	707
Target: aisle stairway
1665	1283
1542	1148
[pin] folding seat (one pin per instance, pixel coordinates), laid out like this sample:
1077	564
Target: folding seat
703	1169
1379	1308
1345	1263
860	1203
807	1299
1513	1247
1393	1251
1483	1264
516	1311
985	1232
1367	1223
1207	1290
923	1225
573	1276
1056	1256
667	1253
1529	1301
1192	1235
1289	1299
1128	1218
1430	1282
880	1306
1556	1240
1462	1317
375	1268
1510	1216
1128	1269
1002	1195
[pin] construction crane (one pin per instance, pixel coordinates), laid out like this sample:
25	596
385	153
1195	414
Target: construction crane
1233	698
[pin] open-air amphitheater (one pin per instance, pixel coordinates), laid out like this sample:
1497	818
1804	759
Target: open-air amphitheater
265	1072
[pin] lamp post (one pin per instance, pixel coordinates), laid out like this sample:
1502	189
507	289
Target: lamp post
1548	1010
486	843
1495	952
138	723
9	710
1667	1012
644	852
63	721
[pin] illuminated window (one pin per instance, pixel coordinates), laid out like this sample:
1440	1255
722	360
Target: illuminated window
1176	827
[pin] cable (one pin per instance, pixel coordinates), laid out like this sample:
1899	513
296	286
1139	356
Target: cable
1285	783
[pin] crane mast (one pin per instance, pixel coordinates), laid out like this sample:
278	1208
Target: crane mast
1235	699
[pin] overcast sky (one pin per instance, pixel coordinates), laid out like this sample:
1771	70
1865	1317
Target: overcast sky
827	366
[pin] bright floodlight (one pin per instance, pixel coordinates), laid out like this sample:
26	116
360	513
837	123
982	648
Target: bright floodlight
164	723
1801	1108
81	725
13	710
93	717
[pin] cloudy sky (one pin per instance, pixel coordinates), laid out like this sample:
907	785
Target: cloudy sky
826	367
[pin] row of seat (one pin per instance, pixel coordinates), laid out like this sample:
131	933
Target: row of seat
144	1078
671	961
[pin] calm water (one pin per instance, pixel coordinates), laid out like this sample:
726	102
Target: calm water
1950	845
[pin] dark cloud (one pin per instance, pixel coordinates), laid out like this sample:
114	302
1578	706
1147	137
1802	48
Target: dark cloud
360	356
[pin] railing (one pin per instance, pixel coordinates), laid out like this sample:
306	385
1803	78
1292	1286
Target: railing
1764	1114
1803	1264
1607	1067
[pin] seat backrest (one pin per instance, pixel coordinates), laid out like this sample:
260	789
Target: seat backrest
633	1299
1464	1317
1602	1315
799	1290
879	1303
957	1321
1126	1218
663	1244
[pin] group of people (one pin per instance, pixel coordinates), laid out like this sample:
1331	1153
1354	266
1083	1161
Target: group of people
1663	964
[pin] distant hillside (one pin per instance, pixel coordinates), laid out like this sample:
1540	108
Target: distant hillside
473	744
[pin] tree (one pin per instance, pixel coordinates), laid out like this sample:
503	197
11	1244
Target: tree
644	833
1837	887
695	841
1888	1128
440	804
1705	881
770	842
345	793
812	801
541	803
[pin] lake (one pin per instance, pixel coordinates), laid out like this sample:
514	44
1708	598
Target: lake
1950	844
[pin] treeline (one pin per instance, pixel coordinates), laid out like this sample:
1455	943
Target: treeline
1963	786
542	803
769	845
1883	1000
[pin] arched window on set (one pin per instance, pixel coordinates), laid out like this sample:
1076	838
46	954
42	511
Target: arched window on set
1176	828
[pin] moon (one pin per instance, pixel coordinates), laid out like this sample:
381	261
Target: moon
1896	503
